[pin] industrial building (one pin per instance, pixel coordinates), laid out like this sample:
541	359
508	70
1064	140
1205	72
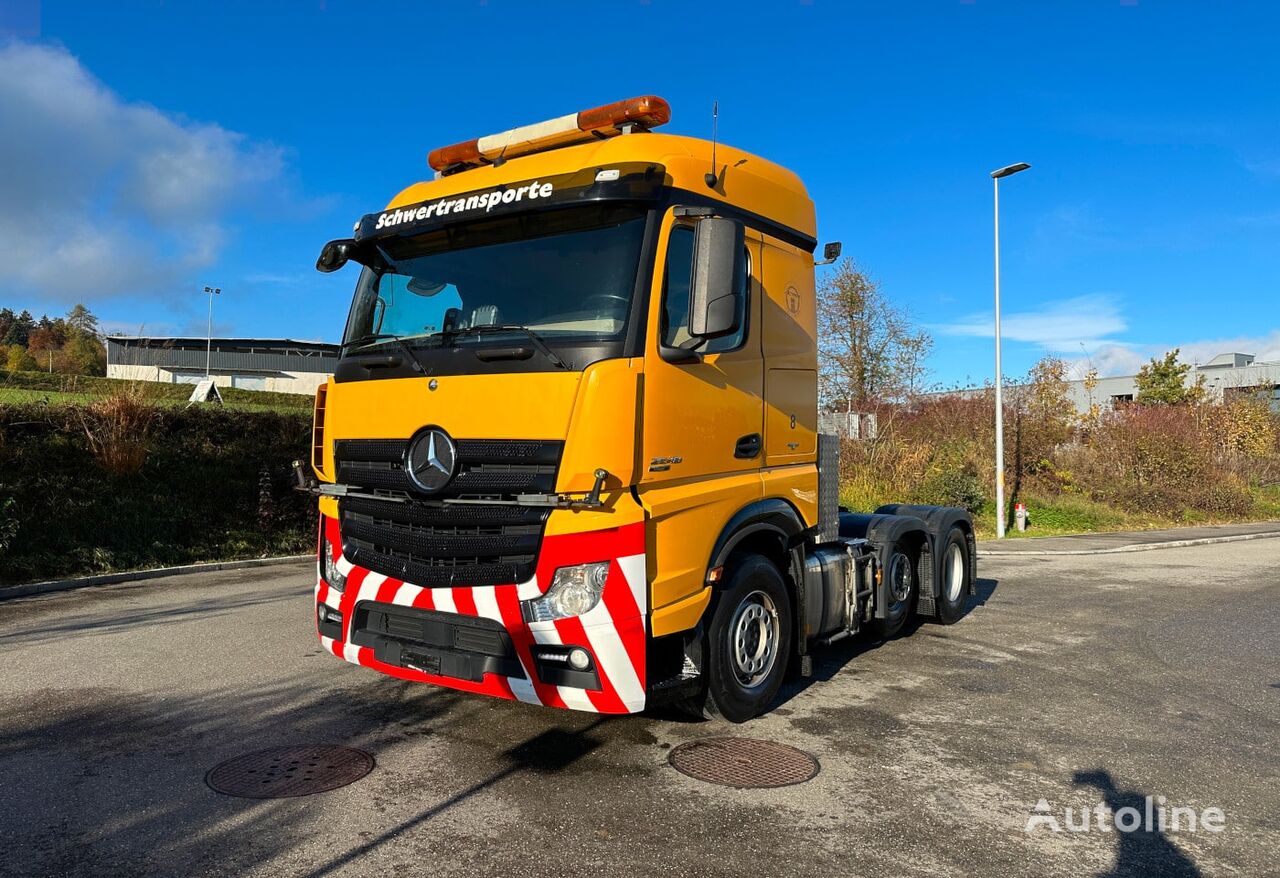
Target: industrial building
282	365
1225	376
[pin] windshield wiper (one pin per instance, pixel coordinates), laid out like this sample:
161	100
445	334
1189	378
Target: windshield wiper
538	341
385	336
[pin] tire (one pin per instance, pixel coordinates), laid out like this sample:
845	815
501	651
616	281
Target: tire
903	573
953	580
748	643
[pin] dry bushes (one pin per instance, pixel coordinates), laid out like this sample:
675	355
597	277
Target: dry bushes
938	450
1188	461
117	429
1159	459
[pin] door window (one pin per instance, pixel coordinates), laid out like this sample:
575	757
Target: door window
675	309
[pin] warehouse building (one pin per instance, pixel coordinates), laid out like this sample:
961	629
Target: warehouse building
1225	377
277	364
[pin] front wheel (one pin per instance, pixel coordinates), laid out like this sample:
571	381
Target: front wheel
748	641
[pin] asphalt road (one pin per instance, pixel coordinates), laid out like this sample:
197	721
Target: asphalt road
1074	680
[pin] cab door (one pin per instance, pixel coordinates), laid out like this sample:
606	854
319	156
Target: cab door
703	409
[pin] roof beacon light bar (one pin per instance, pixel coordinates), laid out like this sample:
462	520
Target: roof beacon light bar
642	113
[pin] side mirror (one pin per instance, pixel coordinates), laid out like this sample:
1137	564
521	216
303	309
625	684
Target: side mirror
830	253
335	255
715	288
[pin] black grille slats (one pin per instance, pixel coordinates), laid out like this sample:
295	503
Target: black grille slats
485	467
433	544
425	542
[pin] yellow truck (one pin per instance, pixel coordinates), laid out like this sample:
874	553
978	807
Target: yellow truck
570	451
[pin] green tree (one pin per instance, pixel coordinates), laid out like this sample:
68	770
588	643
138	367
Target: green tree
83	354
1164	382
17	359
18	329
81	320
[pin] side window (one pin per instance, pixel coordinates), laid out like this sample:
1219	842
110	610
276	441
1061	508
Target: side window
675	296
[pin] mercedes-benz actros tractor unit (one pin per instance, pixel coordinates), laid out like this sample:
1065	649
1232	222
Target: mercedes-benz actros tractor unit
570	452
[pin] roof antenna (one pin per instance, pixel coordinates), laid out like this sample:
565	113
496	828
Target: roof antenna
715	124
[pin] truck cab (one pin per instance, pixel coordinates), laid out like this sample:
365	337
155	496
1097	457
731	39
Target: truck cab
569	454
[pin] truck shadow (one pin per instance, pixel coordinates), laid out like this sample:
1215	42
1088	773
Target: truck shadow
120	774
549	752
831	661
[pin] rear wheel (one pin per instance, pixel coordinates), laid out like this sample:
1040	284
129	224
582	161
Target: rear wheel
901	576
748	641
953	586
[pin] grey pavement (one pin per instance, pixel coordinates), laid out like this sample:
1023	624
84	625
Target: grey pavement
1074	680
1129	541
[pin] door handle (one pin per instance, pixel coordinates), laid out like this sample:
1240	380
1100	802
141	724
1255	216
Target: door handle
747	447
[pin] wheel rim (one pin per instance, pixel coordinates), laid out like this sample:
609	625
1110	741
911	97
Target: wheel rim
953	571
900	577
755	632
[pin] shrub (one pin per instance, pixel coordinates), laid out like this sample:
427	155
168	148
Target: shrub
1160	459
8	523
1185	461
954	487
117	429
196	496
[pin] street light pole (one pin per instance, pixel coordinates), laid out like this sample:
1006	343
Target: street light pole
1006	171
208	357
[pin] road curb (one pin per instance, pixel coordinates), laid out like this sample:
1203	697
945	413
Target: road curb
1133	547
15	591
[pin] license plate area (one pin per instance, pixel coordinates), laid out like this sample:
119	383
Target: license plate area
426	663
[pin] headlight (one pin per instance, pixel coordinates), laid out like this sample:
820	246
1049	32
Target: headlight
332	574
574	592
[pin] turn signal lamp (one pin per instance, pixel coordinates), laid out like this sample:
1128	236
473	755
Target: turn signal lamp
643	113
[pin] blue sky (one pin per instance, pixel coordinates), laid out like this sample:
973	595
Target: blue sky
154	147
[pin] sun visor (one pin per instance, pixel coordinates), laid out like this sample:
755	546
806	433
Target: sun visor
630	181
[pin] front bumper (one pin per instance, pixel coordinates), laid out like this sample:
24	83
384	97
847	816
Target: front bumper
475	638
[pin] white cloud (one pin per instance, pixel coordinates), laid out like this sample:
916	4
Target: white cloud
1125	359
103	196
1108	360
1058	327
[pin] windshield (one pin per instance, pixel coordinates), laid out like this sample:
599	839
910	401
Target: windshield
565	274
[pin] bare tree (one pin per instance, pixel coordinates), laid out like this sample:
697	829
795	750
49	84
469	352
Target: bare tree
869	351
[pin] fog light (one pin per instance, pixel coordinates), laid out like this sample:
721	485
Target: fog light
579	660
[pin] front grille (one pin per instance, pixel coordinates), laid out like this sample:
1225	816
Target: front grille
430	544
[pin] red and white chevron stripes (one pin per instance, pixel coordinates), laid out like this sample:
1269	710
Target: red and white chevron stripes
614	631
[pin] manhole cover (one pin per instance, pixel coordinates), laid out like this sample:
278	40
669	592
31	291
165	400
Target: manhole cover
281	772
743	762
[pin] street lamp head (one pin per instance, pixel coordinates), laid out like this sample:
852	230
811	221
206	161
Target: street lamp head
1010	170
213	291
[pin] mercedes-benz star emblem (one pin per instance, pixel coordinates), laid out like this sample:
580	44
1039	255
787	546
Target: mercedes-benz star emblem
430	459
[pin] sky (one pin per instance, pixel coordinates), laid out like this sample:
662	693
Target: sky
152	148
